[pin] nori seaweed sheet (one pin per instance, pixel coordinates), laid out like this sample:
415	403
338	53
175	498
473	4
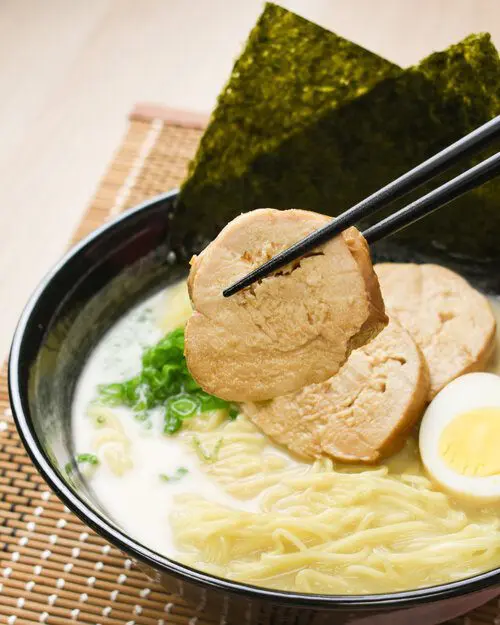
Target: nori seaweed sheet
326	157
451	93
290	73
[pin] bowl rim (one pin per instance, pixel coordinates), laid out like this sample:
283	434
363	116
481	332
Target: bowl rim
148	556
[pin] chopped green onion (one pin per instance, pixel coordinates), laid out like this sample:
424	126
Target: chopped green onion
184	405
233	411
87	458
204	455
172	423
164	381
176	476
120	393
111	393
210	402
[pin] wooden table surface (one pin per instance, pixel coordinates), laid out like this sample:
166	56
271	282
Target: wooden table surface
71	70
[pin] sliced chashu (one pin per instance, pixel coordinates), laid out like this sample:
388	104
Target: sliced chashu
360	414
452	323
290	329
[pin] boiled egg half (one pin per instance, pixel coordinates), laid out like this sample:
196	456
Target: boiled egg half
460	437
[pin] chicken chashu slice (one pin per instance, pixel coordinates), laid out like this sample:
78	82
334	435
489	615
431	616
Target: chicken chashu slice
452	323
362	413
290	329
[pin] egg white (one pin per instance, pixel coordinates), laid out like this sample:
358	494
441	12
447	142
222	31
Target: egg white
468	392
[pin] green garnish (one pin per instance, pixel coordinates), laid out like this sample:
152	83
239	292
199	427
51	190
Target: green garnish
89	459
184	405
120	393
233	412
203	454
176	476
172	423
164	381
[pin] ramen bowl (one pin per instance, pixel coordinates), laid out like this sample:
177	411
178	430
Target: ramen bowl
79	300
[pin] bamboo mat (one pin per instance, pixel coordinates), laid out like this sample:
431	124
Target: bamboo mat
53	569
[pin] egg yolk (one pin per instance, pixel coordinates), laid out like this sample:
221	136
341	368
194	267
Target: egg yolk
469	443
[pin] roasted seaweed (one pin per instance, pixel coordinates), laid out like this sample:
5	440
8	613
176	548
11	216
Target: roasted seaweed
291	73
309	120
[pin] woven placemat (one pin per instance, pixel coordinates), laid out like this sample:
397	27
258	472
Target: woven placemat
53	569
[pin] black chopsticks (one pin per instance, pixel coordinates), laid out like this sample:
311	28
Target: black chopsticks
433	200
472	178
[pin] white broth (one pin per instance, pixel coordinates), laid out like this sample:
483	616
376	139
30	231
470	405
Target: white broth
139	501
252	512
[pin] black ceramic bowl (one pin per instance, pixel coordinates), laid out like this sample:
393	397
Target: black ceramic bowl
78	301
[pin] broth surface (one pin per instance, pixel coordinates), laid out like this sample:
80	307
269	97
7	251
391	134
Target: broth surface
138	501
254	513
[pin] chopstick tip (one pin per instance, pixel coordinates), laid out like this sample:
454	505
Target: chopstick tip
231	290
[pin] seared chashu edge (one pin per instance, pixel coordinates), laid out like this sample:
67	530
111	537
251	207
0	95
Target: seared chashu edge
452	323
362	413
